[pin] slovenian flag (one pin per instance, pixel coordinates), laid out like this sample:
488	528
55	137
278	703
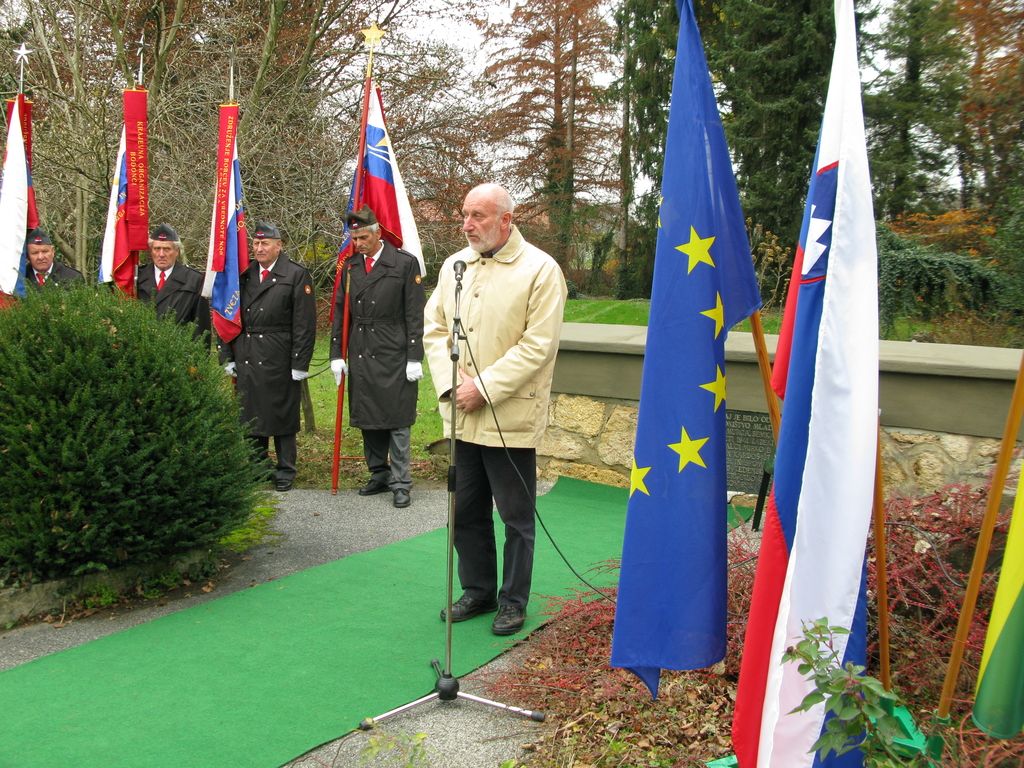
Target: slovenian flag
378	183
383	189
14	207
127	227
811	563
671	607
25	110
999	702
228	255
115	257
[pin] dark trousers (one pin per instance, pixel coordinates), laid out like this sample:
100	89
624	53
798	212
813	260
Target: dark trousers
287	454
378	445
484	478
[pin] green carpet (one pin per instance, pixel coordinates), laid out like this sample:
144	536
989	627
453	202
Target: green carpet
260	676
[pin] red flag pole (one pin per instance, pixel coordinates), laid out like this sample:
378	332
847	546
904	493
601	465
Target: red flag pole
357	191
339	414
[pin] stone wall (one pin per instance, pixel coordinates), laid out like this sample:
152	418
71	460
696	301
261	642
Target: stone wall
943	407
592	439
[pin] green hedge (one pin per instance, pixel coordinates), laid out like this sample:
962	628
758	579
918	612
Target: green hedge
120	439
921	282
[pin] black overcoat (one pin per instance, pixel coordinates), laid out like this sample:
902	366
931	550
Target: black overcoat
181	297
61	274
385	332
278	332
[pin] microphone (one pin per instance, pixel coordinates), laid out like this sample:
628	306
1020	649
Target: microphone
459	267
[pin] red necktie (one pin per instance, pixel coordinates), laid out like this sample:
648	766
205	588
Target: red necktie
369	264
40	278
264	274
161	281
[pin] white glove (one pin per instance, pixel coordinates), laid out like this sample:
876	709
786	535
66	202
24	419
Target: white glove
339	368
413	370
299	375
229	369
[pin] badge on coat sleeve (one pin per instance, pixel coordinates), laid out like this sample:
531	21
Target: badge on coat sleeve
309	290
418	279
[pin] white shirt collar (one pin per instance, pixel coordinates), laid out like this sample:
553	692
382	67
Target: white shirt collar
157	271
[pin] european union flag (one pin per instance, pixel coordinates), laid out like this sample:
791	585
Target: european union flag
671	609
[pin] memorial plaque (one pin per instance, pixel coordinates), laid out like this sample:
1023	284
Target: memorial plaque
749	443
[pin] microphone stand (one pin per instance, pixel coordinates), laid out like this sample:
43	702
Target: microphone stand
447	686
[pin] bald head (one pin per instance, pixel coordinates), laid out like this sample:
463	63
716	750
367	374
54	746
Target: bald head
495	193
487	217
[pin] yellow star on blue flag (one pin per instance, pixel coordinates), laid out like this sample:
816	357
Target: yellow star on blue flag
671	605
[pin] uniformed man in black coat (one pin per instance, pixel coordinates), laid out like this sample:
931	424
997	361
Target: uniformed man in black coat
41	269
172	287
385	351
271	355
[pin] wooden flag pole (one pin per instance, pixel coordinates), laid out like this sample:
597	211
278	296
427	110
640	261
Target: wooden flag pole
878	510
372	37
881	569
765	367
988	524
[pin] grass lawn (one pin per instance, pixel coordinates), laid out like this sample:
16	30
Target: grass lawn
315	449
637	312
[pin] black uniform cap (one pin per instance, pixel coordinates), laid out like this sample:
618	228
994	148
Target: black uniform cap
164	233
38	236
266	230
364	217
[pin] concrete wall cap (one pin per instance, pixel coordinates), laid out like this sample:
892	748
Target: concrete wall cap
920	358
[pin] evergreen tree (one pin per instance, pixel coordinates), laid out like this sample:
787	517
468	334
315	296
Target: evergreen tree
913	114
647	32
772	60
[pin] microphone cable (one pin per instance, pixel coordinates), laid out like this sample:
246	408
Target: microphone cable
526	488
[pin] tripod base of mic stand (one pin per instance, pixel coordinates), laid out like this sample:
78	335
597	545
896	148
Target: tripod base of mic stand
447	689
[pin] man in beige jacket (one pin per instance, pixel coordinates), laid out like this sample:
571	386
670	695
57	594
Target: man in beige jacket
513	297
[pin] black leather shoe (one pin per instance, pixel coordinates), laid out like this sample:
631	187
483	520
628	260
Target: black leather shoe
467	607
402	498
509	620
283	485
372	488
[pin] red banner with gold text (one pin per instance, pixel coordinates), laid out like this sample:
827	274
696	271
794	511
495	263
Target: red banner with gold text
225	157
136	209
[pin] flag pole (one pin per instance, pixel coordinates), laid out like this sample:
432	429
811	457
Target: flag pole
21	57
881	568
765	367
371	39
231	77
141	53
988	524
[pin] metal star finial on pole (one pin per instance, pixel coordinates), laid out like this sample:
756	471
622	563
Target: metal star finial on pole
231	77
21	58
372	36
139	51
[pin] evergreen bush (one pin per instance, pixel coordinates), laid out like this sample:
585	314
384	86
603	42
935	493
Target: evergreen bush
120	441
922	282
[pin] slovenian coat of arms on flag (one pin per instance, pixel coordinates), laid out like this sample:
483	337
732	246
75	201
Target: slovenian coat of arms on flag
378	183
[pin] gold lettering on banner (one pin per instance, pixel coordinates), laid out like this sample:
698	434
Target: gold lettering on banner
225	169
